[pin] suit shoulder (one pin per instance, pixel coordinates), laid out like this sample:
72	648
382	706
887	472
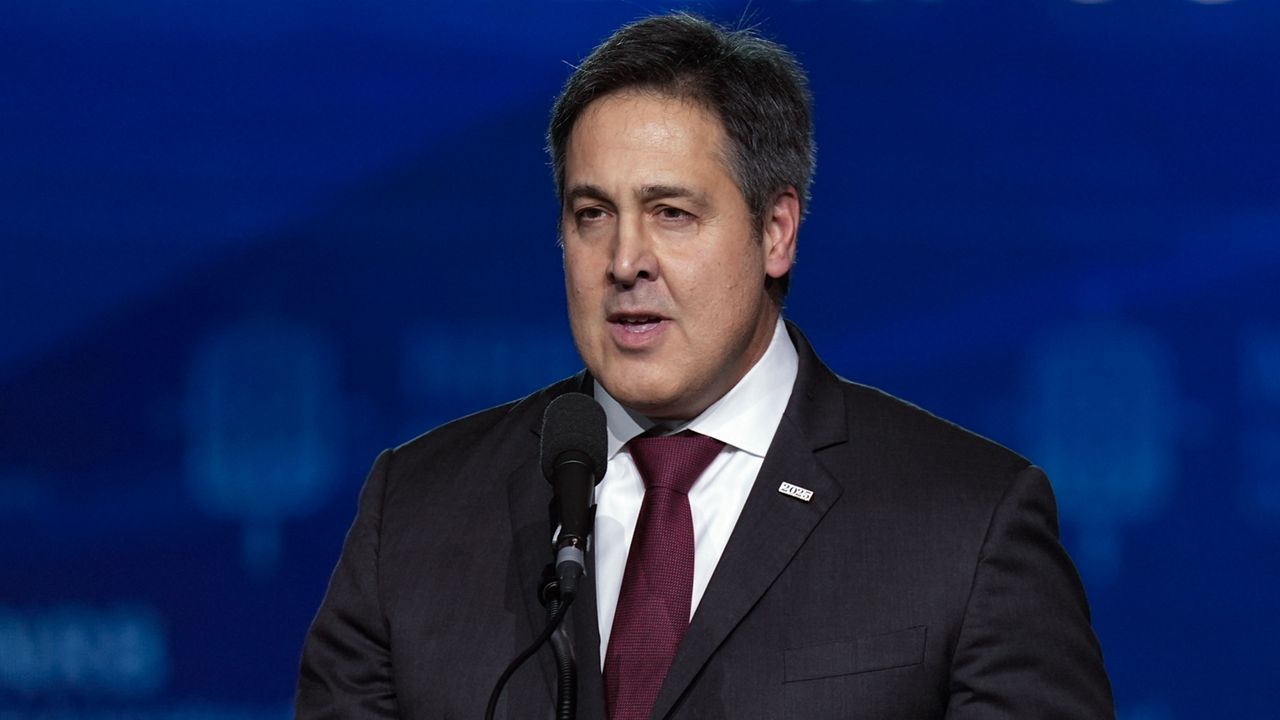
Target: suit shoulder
907	430
913	469
460	441
458	431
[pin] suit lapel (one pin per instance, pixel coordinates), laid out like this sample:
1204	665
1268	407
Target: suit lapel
529	495
772	526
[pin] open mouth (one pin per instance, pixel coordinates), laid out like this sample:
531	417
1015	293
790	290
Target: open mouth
636	323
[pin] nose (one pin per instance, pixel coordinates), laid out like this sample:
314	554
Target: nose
633	257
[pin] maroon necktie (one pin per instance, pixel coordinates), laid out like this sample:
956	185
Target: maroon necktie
657	585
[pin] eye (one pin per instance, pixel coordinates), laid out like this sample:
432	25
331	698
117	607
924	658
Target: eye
667	212
589	214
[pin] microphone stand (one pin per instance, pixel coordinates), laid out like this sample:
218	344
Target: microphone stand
566	665
557	606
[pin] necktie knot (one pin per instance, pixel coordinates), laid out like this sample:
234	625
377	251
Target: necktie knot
673	462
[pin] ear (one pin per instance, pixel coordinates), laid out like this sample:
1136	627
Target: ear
781	225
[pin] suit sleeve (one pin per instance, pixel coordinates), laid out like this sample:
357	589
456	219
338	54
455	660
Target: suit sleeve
1026	648
346	661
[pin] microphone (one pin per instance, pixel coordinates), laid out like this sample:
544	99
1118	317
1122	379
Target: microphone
573	460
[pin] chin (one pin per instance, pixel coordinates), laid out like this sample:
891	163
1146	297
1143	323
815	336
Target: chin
652	398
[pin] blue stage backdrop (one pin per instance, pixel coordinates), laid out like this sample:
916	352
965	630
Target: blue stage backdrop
248	244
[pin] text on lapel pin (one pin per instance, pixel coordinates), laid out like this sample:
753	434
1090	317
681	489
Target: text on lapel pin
795	491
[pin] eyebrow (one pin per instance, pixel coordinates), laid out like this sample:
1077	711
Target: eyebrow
648	193
592	192
655	192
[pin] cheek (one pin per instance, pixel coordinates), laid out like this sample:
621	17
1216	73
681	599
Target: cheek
582	294
583	263
573	275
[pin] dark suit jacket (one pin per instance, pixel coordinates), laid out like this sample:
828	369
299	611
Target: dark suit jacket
923	580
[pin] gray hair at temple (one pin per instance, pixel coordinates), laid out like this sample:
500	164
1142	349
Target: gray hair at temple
753	85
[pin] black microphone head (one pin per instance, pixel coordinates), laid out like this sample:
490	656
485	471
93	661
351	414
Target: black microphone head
574	421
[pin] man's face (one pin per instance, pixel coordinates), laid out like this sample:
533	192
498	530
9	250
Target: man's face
664	268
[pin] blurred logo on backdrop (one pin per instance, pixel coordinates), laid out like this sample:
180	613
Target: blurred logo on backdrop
262	426
80	662
1101	409
76	650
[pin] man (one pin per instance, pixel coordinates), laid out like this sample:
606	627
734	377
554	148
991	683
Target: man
848	555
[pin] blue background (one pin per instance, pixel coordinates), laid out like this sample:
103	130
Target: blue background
247	245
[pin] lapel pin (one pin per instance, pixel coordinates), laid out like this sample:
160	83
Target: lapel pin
795	491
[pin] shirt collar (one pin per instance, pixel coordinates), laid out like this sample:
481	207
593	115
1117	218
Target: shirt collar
745	418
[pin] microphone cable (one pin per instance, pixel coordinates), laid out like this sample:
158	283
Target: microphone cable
553	622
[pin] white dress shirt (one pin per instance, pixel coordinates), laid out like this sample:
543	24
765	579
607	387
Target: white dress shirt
745	420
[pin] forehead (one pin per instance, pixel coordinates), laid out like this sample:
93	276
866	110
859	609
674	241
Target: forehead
643	131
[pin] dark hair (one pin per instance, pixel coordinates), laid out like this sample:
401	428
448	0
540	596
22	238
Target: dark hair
754	86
